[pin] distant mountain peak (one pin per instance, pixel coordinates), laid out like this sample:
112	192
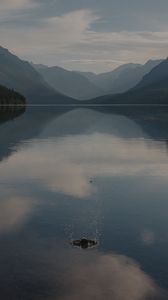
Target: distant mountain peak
158	73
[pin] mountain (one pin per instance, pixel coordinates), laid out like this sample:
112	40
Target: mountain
158	76
122	78
108	80
21	76
152	89
70	83
88	85
7	94
51	85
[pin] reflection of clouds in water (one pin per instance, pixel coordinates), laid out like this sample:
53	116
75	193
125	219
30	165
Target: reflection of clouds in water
55	272
148	237
14	210
107	277
67	164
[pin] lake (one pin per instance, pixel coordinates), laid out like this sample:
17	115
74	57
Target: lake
99	173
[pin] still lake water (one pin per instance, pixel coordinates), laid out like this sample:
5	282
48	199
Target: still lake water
65	174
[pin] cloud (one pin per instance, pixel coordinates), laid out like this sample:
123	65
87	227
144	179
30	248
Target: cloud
53	36
14	4
71	37
12	8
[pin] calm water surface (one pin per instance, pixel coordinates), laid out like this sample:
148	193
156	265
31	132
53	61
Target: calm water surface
65	174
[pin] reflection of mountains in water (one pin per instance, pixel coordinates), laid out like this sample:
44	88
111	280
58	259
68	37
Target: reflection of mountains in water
9	112
26	124
124	121
153	120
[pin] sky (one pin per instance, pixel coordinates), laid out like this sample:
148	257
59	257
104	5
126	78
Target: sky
86	35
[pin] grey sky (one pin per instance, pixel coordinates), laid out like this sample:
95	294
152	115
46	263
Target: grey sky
91	35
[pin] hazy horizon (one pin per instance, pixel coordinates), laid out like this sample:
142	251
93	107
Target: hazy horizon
82	70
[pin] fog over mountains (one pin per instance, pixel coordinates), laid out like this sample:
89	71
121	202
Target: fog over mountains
129	83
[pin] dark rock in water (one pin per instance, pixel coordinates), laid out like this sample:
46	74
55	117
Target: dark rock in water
84	243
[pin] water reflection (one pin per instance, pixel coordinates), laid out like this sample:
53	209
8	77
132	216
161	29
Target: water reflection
66	164
52	272
108	277
49	122
9	112
24	128
14	210
148	237
68	174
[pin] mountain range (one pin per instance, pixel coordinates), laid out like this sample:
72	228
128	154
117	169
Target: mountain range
129	83
85	85
70	83
21	76
152	89
122	78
